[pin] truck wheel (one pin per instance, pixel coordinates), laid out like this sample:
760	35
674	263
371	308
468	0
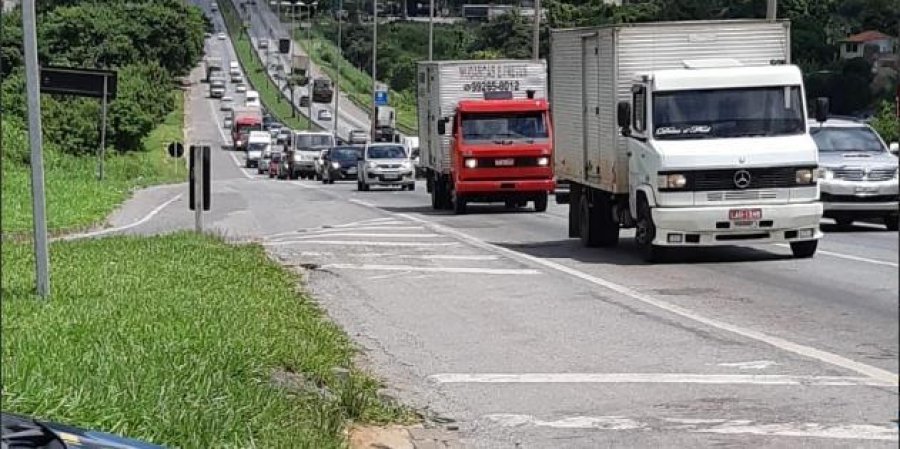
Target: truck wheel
891	222
645	232
459	205
574	206
804	250
540	203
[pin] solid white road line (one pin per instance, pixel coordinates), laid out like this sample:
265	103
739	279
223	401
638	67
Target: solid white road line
362	234
458	270
431	256
356	243
654	378
713	425
143	220
849	257
240	167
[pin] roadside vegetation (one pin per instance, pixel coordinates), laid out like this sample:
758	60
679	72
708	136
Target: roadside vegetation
136	340
255	70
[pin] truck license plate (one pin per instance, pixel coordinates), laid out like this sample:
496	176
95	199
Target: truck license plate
744	214
504	162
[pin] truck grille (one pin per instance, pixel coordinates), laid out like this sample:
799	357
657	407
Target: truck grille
491	162
724	179
742	195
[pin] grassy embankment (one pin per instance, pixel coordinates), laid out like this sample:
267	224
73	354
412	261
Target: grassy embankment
75	198
269	94
357	84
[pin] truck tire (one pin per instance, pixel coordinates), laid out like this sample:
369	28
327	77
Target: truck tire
804	250
540	203
459	205
574	205
645	232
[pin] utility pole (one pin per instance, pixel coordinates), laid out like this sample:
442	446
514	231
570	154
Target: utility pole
536	37
431	30
337	84
32	88
374	67
771	9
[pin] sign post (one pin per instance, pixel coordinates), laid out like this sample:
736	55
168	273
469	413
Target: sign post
102	132
199	184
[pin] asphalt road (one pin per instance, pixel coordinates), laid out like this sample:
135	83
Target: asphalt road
498	321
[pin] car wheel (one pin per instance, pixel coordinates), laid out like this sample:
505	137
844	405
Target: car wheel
891	222
804	250
412	187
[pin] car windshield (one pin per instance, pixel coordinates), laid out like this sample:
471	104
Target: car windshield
846	139
314	140
387	152
724	113
500	127
344	154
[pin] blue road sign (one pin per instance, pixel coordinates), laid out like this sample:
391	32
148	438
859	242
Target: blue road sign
381	98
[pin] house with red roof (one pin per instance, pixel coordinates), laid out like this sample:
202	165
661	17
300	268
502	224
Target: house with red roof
869	44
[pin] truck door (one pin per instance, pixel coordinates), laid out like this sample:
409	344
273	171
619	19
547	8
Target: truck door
641	164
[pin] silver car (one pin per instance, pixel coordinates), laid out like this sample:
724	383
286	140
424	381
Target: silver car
858	175
385	164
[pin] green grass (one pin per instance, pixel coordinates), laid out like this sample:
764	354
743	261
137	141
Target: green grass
75	198
272	98
175	340
357	84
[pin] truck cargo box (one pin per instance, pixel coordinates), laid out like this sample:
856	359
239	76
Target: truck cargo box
592	69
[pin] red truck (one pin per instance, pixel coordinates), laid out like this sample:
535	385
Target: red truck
246	119
485	133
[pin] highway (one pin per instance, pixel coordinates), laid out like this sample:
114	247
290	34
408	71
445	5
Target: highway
496	321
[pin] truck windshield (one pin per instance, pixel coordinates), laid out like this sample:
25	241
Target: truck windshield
500	127
723	113
313	140
387	152
245	128
257	146
845	139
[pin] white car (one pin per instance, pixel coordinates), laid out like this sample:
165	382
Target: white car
227	104
240	88
385	164
221	36
325	115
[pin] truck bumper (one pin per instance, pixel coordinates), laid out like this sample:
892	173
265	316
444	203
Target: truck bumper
506	188
710	226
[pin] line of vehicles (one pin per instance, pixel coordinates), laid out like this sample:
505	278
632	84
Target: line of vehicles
681	131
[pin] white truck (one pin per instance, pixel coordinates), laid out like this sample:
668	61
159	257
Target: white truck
693	133
307	148
385	124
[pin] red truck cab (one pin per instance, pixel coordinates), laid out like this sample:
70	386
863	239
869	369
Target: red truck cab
244	122
502	150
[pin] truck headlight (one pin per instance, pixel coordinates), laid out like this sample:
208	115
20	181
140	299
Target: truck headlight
238	143
673	181
543	161
825	173
805	176
471	162
371	165
335	165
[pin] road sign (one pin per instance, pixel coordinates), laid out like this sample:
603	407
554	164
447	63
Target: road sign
80	82
381	98
176	149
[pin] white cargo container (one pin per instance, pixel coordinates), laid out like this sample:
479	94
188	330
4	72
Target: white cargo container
699	106
443	84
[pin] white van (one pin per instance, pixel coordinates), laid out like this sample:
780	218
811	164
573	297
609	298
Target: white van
233	65
251	98
257	143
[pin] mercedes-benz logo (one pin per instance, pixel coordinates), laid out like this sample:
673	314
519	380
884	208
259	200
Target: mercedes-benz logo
742	179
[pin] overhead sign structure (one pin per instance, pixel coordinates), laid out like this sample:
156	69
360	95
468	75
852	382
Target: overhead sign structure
101	84
381	98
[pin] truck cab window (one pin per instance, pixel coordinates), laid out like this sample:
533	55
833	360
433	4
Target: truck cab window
639	108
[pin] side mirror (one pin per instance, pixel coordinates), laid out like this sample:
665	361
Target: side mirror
821	109
442	126
895	147
623	116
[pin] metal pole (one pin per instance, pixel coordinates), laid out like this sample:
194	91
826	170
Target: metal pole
198	188
536	38
102	132
431	31
309	71
337	84
32	88
771	9
374	66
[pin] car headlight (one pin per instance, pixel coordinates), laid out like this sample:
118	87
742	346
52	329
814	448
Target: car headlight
406	165
543	161
805	176
335	165
471	162
673	181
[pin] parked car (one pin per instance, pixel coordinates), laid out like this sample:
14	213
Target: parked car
340	163
325	115
858	174
358	137
385	164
